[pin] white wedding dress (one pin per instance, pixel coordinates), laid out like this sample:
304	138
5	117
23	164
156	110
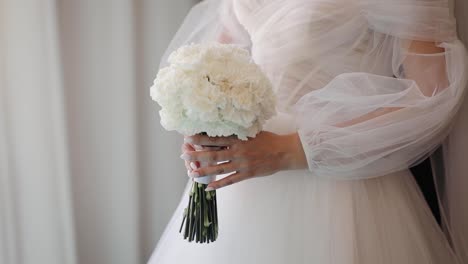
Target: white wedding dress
366	107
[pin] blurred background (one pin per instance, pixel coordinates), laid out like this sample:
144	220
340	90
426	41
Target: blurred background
87	174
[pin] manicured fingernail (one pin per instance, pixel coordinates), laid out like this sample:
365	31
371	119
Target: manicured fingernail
194	174
209	188
185	156
193	165
188	140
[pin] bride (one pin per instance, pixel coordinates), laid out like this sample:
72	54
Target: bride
366	89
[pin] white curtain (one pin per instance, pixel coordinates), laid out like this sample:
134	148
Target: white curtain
87	175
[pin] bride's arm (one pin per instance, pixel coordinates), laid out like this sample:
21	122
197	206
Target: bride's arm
430	83
398	124
364	125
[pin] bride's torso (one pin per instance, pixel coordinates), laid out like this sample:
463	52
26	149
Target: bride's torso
303	44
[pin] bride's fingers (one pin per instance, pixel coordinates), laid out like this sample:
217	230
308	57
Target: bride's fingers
210	141
185	148
226	181
208	156
217	169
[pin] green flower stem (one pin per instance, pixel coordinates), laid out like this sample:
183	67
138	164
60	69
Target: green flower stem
191	210
200	217
183	220
211	216
200	213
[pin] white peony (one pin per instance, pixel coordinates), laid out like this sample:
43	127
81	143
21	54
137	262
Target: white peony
213	88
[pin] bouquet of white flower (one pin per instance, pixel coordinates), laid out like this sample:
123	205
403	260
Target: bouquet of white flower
213	89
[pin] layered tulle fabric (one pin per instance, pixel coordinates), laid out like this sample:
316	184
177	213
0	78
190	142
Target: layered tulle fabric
293	217
366	125
366	102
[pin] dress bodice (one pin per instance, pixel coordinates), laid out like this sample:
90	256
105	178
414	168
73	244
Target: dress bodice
303	44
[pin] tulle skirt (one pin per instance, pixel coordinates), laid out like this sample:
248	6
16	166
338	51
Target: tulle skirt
293	217
296	217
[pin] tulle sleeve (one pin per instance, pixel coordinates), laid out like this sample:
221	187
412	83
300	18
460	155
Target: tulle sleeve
365	124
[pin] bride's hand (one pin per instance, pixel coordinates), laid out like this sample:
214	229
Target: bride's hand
263	155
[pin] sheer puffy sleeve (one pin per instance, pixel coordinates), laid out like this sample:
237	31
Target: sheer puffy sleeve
398	106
